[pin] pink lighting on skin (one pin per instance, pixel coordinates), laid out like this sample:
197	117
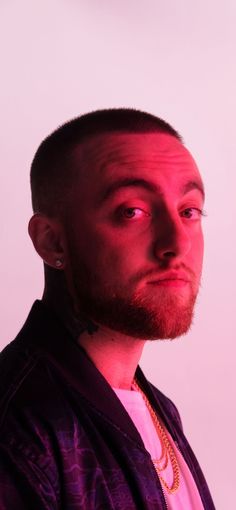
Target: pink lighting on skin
141	214
171	279
170	283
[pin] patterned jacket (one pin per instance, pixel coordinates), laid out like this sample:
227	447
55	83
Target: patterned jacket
66	441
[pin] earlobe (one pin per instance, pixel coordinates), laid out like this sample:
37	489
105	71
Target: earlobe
47	238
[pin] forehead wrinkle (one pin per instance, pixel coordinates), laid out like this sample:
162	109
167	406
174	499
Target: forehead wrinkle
156	160
108	167
108	149
134	182
107	159
116	159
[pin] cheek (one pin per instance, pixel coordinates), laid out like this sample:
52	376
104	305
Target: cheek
116	255
109	255
197	250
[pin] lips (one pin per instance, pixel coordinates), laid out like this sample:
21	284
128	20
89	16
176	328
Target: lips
171	275
174	278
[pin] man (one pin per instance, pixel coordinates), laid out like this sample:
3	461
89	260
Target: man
117	202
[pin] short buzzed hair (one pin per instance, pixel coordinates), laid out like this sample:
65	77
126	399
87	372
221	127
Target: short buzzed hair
51	175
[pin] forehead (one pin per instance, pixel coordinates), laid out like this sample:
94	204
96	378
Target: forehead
154	155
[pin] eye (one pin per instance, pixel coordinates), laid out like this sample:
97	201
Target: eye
133	213
192	213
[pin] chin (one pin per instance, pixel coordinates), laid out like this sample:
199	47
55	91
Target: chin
171	332
145	324
162	330
140	317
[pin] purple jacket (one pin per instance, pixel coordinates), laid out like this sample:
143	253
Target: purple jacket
66	441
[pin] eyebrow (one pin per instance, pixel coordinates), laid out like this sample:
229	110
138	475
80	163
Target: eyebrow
128	182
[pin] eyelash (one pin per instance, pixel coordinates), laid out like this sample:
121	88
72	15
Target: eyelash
134	208
200	211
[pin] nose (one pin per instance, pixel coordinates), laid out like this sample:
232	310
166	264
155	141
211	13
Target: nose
172	240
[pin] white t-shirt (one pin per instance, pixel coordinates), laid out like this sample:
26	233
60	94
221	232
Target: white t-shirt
186	497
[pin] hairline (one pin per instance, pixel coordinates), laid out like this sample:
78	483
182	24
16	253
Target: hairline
59	147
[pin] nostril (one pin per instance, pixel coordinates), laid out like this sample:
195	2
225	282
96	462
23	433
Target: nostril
169	254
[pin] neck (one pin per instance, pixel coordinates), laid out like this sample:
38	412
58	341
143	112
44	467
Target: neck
114	354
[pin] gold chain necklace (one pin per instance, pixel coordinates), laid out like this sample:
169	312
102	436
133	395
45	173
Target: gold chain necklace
167	449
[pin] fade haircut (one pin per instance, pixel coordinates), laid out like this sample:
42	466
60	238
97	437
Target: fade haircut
53	169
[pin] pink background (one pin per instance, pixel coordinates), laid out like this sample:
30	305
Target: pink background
177	60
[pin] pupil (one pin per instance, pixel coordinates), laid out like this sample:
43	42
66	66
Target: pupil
130	212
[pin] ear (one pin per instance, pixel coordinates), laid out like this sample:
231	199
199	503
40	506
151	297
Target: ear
48	239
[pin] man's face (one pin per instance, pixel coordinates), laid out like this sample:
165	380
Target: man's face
135	243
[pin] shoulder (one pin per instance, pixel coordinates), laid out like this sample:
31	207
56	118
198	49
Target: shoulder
33	397
29	397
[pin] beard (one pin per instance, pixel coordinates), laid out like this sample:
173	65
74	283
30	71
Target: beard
134	317
143	314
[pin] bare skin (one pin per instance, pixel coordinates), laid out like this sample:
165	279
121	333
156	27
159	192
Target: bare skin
131	259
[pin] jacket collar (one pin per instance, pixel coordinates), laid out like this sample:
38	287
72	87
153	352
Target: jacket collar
45	336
